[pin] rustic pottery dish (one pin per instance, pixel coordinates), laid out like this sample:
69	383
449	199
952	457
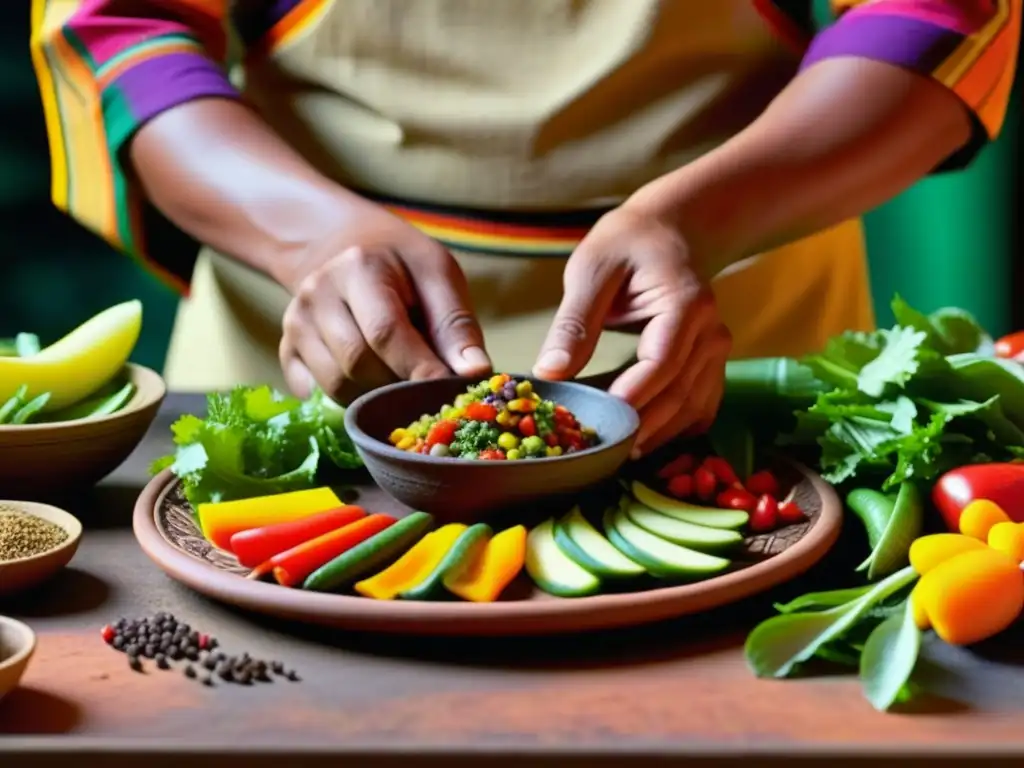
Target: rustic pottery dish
166	529
17	644
465	491
48	456
26	572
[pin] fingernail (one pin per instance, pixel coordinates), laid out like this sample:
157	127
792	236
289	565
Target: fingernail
553	361
475	358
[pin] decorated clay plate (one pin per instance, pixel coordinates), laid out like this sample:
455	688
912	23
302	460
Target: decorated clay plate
168	533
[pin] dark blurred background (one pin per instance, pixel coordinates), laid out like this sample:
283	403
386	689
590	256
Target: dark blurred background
952	240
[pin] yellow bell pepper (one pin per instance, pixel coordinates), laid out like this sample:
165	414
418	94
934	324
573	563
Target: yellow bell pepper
412	567
930	551
222	520
969	597
499	562
1008	538
979	516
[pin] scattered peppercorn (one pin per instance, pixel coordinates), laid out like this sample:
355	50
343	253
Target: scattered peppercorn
23	535
164	639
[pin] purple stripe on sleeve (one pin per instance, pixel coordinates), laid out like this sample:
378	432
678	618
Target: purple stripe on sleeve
905	42
157	84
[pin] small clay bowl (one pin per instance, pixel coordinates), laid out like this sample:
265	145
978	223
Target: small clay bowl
466	491
26	572
17	644
50	456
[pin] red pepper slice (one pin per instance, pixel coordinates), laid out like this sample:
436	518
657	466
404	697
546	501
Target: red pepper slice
736	498
292	566
721	469
442	433
257	545
763	482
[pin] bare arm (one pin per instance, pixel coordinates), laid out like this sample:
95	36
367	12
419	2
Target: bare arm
215	169
845	136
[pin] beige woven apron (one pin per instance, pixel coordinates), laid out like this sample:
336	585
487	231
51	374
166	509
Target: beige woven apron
534	104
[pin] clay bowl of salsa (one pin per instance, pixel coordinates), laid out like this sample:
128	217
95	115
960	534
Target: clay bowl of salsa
469	490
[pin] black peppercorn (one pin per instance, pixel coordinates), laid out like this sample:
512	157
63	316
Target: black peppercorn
189	671
161	661
134	663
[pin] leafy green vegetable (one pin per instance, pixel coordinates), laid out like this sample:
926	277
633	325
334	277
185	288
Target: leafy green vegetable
888	658
779	644
892	523
822	600
255	441
909	403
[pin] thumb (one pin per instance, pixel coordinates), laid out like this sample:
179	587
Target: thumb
588	295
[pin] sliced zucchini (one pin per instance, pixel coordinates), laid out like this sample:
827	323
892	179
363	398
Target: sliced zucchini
583	544
661	558
698	537
552	570
730	519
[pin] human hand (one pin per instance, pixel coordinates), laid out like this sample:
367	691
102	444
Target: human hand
375	302
633	271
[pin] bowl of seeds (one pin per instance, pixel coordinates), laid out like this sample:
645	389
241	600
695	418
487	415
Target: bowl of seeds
17	644
36	541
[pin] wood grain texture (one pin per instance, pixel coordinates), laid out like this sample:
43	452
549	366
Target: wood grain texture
677	688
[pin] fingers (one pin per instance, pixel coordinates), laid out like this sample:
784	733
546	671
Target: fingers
350	351
304	357
450	320
591	283
382	316
665	343
691	400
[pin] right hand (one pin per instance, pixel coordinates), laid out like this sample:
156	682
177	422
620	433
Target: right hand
376	302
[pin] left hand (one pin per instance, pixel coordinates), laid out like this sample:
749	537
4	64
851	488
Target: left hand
633	271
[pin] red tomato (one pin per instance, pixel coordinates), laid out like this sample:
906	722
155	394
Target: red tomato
491	454
736	498
721	469
1002	484
678	465
681	486
1011	346
765	516
481	412
705	483
527	426
763	482
443	432
790	512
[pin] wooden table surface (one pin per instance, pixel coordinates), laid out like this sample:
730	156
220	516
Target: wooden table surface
678	689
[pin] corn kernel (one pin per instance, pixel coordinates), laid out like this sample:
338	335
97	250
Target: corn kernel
406	443
524	388
508	441
522	405
535	397
504	418
496	382
396	436
554	450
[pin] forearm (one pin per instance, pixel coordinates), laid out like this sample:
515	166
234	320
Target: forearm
216	170
845	136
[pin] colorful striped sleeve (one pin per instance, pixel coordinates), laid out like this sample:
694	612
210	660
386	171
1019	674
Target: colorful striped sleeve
969	46
105	68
